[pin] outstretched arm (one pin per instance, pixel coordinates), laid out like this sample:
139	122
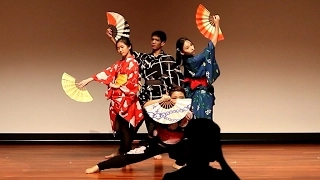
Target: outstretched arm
107	76
85	82
104	77
216	21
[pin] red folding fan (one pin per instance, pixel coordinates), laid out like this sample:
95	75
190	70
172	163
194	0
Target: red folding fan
118	25
205	24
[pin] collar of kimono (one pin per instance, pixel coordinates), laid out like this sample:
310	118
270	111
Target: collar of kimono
160	54
130	57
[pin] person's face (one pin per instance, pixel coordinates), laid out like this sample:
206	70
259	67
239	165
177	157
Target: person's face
174	96
188	48
123	49
177	95
156	43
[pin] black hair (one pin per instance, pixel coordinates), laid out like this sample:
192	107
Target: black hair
179	48
162	35
177	89
125	41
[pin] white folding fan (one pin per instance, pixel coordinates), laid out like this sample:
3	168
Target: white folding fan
168	112
73	91
118	25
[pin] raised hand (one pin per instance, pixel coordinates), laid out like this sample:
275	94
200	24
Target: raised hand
189	115
165	98
216	19
109	34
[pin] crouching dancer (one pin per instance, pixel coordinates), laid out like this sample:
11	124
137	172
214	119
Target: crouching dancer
168	138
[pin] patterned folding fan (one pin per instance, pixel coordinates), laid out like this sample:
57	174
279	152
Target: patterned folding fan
168	112
118	25
205	24
70	88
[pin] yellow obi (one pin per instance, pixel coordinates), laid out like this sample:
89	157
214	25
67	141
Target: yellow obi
121	79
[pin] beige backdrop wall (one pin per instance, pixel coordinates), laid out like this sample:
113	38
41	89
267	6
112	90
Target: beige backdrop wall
269	60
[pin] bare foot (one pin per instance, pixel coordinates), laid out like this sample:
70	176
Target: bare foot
127	168
111	155
176	166
157	157
92	169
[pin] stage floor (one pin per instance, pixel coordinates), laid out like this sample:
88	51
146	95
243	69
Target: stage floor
249	161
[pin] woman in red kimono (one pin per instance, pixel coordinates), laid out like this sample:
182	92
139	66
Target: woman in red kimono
122	80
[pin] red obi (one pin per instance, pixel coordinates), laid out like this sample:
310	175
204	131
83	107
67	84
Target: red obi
169	137
195	82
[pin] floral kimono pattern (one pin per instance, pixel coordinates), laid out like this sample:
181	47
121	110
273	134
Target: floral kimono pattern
200	72
124	100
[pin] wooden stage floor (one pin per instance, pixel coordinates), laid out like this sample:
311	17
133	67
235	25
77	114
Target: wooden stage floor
249	161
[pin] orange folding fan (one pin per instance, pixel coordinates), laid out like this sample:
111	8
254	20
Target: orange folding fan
205	24
118	25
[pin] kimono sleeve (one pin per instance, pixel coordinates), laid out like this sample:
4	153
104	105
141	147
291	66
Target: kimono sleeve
197	60
140	57
215	67
206	64
106	76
